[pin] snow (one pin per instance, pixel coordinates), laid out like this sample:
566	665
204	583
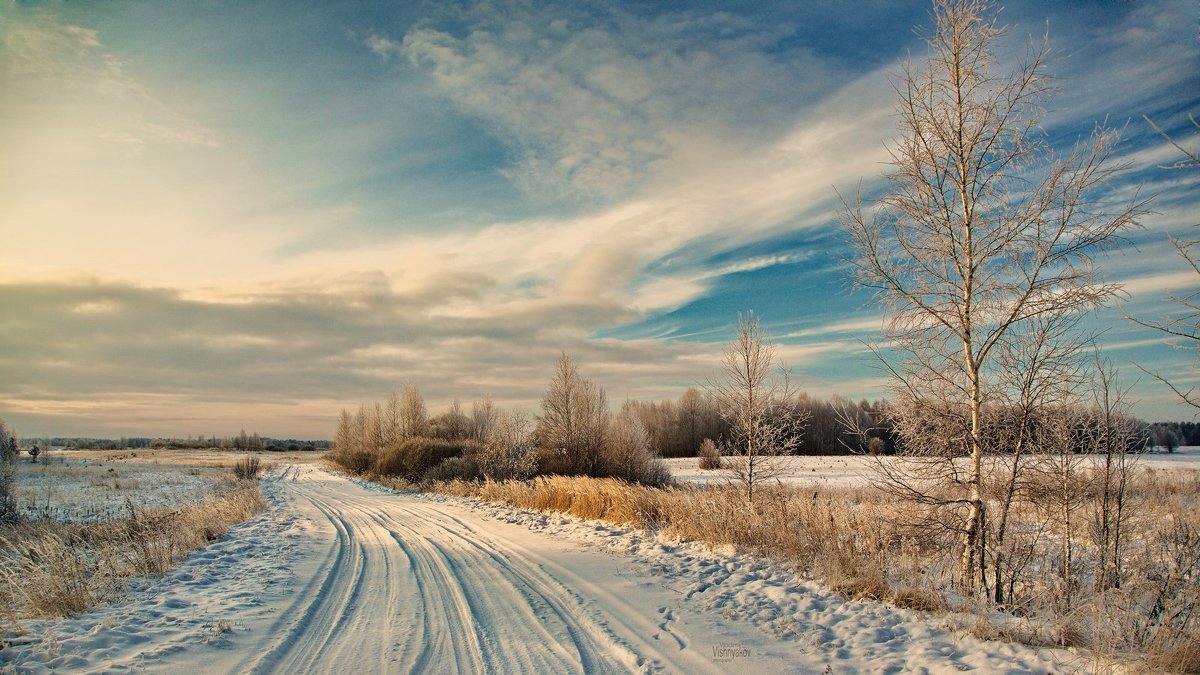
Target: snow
801	470
842	471
339	575
68	488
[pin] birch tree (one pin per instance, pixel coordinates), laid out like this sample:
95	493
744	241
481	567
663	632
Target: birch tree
755	397
982	229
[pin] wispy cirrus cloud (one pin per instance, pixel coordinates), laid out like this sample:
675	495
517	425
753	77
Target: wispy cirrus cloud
591	96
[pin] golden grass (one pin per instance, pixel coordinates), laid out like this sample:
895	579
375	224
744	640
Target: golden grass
814	532
56	569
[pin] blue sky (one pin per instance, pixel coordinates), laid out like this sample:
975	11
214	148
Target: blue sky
220	215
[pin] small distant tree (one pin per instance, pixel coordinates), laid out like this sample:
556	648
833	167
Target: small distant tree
1111	435
483	418
691	410
457	425
755	397
710	455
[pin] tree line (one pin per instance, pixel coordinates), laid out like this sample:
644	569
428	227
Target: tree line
576	434
240	441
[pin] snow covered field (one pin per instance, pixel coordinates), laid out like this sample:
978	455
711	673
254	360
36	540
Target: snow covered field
855	470
88	485
66	488
340	575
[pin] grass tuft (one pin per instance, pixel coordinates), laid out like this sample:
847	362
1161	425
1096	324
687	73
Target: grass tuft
248	468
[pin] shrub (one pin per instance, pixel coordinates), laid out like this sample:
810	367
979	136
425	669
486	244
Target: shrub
412	458
392	461
354	461
627	454
456	468
710	456
248	468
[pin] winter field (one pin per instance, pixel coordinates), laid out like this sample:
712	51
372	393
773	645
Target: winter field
339	573
855	470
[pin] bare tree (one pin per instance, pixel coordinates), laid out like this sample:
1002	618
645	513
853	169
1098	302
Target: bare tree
627	452
483	418
414	417
691	407
559	425
1039	373
983	229
574	419
1066	482
452	425
345	439
508	453
756	399
391	422
1111	435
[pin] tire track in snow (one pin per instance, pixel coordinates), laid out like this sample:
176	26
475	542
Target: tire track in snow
406	587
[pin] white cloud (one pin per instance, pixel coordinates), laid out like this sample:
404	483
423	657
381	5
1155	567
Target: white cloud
873	324
591	100
1159	283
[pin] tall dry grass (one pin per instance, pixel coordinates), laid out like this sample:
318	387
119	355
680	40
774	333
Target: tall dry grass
840	536
56	569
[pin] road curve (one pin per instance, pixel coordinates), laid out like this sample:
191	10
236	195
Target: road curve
407	584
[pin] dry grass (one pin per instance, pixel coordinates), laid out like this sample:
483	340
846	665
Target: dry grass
56	569
859	542
248	468
212	457
839	537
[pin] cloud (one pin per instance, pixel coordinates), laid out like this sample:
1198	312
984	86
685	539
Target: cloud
590	97
63	73
870	325
154	354
1160	283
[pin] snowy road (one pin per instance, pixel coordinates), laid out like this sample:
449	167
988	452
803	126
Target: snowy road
406	586
341	576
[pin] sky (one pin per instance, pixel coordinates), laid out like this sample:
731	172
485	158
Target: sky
224	215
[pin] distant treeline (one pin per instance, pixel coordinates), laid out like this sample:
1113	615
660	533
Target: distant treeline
677	428
1171	435
241	441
